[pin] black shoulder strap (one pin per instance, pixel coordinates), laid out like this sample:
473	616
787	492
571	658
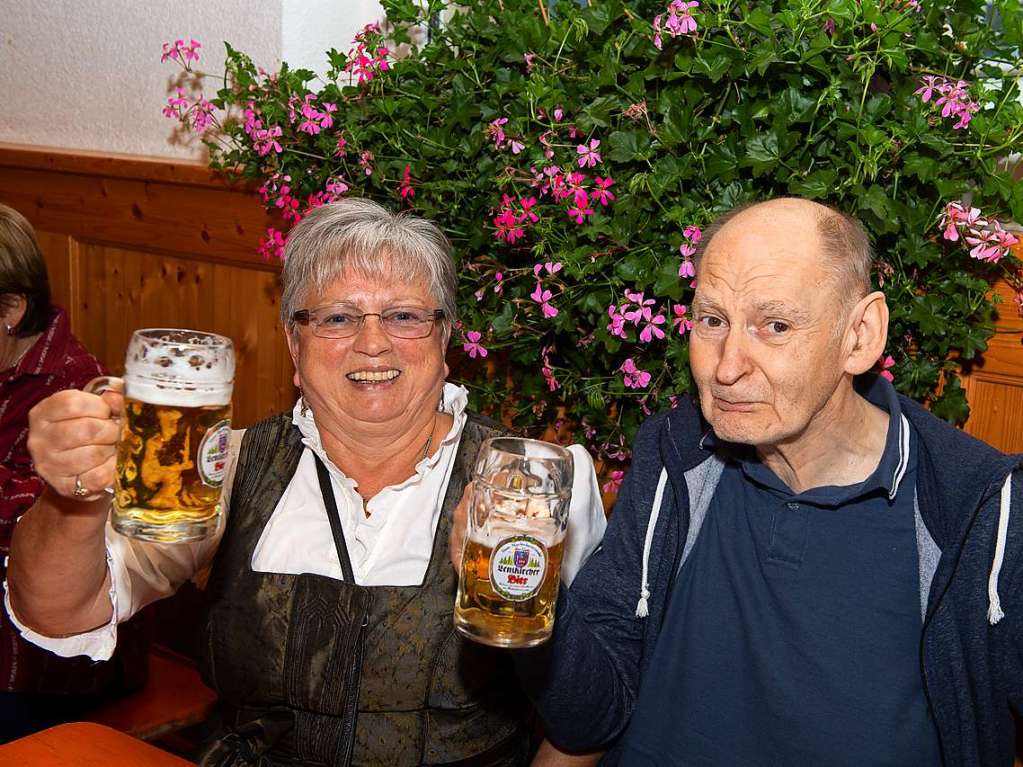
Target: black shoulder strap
327	491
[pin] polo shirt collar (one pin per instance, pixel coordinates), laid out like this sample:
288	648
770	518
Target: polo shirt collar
887	477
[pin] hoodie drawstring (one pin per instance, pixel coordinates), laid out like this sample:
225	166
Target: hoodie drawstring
994	609
642	607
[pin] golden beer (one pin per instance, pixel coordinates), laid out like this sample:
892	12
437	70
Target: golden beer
500	603
171	461
511	561
172	452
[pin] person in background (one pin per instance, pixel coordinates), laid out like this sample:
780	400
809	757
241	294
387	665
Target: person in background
38	357
803	566
329	635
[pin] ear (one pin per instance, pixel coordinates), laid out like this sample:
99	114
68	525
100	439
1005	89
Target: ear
866	333
12	309
291	336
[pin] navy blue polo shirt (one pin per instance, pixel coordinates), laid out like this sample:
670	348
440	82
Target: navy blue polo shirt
792	635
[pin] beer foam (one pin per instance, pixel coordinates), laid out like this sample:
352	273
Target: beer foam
184	368
176	394
544	530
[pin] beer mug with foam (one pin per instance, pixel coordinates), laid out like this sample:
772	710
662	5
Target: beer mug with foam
173	449
511	562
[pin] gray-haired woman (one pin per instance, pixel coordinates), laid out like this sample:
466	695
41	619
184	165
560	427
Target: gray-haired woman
328	635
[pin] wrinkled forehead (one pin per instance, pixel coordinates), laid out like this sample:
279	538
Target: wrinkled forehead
770	258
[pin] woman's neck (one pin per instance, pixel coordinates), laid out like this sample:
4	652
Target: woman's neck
376	459
17	350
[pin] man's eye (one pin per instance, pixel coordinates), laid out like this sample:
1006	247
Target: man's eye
777	327
711	321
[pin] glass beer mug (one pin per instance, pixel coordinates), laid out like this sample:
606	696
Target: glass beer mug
511	562
173	449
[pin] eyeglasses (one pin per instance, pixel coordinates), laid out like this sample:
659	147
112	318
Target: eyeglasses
344	321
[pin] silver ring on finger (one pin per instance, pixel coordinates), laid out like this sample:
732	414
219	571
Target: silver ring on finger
80	490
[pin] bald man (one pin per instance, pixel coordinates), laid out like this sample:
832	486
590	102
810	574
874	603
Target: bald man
803	567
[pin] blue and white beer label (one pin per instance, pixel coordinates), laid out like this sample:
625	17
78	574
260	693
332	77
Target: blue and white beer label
517	567
213	454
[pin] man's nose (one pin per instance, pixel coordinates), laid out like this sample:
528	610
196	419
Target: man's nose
372	339
734	362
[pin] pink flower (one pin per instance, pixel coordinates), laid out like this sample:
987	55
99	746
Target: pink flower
548	373
588	155
642	310
614	481
559	114
929	83
529	60
472	346
616	326
681	322
543	298
336	186
829	26
272	245
580	214
176	105
507	227
498	282
693	234
652	329
658	42
886	363
686	268
406	190
180	52
634	377
366	162
202	115
528	203
342	142
496	131
265	141
516	146
601	193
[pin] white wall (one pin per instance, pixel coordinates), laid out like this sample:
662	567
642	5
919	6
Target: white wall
86	74
310	28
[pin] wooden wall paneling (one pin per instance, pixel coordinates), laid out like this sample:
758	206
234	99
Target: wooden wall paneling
132	290
57	253
994	384
132	242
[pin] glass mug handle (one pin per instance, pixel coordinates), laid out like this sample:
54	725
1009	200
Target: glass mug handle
104	384
100	386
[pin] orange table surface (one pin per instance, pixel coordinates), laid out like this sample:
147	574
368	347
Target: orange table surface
83	744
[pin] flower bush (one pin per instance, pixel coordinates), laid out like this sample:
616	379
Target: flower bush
573	154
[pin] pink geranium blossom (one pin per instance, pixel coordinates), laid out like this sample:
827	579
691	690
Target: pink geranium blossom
652	329
406	189
614	481
579	215
602	194
588	154
543	297
886	363
681	322
472	346
616	326
272	246
634	377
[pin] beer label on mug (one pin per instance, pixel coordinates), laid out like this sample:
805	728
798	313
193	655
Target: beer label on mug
213	454
517	567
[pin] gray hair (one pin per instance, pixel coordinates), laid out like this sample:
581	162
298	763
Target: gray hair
845	245
358	236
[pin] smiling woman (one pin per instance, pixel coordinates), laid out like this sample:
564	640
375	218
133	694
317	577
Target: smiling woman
329	636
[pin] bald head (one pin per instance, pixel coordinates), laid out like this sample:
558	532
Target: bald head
839	239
